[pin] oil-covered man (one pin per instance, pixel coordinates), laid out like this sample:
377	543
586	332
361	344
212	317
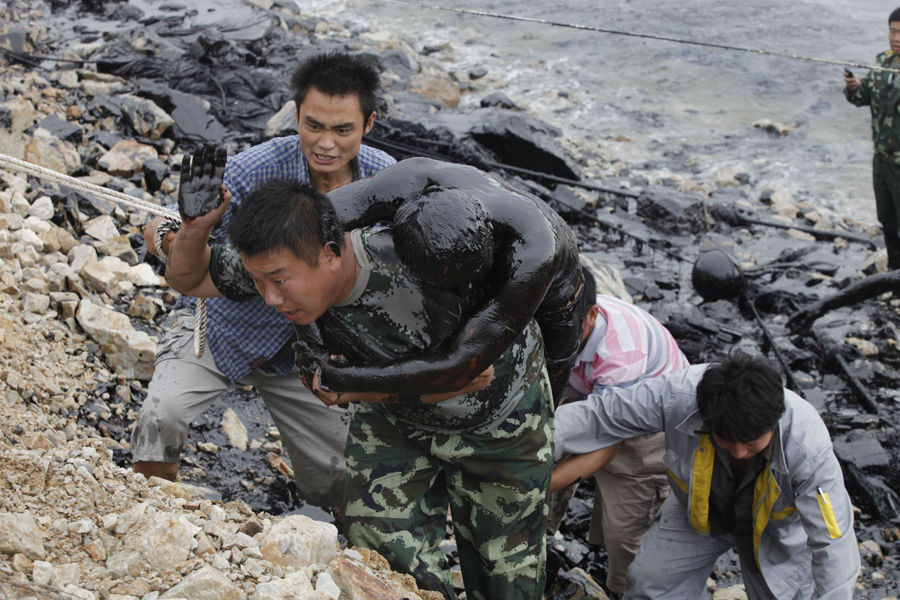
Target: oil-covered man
456	227
485	454
880	90
249	342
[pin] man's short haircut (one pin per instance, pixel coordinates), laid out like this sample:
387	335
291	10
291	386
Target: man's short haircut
286	213
444	237
588	294
895	16
740	398
338	74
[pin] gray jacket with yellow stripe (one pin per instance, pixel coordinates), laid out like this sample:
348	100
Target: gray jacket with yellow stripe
803	534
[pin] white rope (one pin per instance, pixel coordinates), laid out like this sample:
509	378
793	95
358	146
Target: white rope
16	166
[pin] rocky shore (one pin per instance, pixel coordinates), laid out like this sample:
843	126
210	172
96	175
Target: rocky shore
113	94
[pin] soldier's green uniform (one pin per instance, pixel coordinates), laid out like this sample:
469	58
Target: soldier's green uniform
880	90
486	455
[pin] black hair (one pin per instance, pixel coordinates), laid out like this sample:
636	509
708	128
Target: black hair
740	398
444	237
588	296
338	74
895	16
286	213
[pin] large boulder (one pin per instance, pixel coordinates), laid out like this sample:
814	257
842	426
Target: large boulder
672	211
128	351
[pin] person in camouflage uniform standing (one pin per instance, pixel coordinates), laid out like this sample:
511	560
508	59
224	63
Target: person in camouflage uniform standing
484	451
880	90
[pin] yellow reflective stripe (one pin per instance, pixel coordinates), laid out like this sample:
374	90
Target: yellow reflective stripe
701	480
765	493
784	512
831	523
681	485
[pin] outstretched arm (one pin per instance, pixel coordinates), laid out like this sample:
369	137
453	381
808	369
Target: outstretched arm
580	466
202	200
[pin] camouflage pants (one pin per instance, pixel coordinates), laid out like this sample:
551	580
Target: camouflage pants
886	183
401	480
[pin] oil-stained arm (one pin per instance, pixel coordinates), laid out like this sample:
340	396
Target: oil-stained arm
377	198
536	254
480	340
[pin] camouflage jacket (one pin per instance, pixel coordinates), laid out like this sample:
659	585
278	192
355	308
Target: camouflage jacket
880	90
389	316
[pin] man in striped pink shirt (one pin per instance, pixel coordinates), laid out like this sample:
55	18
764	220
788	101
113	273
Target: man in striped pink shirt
622	344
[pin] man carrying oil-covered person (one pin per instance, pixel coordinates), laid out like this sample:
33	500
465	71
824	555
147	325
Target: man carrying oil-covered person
389	314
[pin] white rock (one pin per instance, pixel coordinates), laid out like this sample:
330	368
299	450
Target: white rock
253	568
142	275
76	593
81	254
68	79
36	303
221	529
119	267
20	534
80	51
109	521
295	585
65	574
81	526
12	221
128	351
46	150
147	118
36	224
101	278
29	238
102	228
42	572
221	561
22	113
15	183
126	562
240	540
42	208
235	430
126	158
324	583
302	541
164	540
206	583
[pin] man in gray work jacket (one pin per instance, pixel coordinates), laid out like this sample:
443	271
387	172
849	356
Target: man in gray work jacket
750	465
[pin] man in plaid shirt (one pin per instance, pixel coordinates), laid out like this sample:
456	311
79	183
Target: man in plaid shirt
249	342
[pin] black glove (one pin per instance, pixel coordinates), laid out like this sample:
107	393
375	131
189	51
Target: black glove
201	181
